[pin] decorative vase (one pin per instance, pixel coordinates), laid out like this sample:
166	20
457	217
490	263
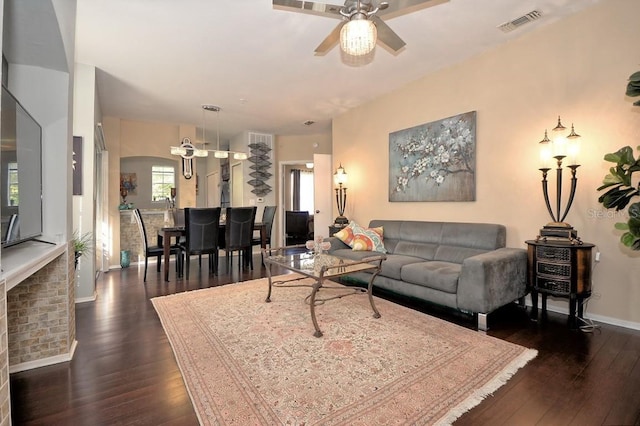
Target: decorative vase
125	259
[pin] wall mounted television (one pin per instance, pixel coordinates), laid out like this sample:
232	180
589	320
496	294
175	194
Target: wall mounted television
20	172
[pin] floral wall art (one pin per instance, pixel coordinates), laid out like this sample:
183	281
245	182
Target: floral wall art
434	161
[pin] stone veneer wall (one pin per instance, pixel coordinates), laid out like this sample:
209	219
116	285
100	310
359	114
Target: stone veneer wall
130	235
41	313
5	402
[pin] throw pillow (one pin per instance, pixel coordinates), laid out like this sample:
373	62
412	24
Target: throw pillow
368	239
346	234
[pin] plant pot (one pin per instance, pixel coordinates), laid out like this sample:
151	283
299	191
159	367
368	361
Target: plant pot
125	259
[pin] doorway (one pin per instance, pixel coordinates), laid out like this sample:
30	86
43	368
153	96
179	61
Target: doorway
213	189
321	191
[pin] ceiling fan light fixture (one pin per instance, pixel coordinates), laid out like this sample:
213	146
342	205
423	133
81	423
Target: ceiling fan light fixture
358	36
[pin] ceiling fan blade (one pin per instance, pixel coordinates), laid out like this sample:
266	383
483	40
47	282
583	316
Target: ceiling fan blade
386	35
310	7
402	7
330	41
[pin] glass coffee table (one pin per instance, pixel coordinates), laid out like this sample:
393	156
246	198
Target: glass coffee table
319	268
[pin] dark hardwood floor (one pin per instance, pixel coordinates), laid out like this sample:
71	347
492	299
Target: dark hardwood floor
124	372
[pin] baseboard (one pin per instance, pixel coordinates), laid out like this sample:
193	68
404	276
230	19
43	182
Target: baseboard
24	366
595	317
88	299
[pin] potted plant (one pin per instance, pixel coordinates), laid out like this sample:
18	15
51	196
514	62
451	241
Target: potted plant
622	188
82	244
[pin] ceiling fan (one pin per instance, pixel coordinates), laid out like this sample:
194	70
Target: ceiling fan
361	23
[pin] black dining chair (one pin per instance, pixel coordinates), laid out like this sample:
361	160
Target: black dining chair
268	215
154	251
239	225
202	227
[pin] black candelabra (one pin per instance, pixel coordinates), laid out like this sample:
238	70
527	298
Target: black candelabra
560	148
340	178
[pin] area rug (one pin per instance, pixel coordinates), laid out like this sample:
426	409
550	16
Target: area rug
248	362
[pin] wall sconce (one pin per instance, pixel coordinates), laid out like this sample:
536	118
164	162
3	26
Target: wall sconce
561	148
340	179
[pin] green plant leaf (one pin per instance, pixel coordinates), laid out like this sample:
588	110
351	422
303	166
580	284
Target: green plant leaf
622	226
617	198
622	156
610	179
634	211
634	227
627	239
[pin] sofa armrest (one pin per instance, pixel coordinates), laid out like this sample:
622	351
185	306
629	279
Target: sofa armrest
336	244
491	280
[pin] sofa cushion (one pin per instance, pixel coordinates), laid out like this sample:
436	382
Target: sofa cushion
442	276
426	251
455	254
348	253
483	236
392	266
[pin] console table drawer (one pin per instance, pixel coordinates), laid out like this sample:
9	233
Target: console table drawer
554	286
558	254
555	269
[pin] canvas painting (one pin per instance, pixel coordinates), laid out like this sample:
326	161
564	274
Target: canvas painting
129	181
434	161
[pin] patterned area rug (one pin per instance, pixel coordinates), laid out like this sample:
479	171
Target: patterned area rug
247	362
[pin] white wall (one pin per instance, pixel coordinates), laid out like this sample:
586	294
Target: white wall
84	217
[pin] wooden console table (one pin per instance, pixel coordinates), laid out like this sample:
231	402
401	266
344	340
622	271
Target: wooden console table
560	269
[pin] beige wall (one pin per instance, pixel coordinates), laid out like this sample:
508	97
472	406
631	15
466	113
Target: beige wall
302	147
127	138
577	69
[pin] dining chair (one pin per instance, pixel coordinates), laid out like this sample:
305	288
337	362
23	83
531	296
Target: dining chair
154	251
178	221
268	215
178	217
201	236
239	225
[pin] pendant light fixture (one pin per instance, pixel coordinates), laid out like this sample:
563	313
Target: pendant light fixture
187	150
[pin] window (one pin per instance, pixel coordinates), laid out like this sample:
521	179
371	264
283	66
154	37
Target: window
302	190
163	178
306	191
14	197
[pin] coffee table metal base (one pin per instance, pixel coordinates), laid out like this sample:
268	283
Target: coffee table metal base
318	283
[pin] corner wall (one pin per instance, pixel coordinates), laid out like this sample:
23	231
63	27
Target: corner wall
576	68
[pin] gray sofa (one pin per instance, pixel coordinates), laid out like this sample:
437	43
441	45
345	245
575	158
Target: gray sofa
464	266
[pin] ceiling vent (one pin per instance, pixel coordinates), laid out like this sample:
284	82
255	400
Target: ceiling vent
507	27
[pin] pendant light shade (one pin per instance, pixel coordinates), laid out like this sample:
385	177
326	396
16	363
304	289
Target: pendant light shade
358	36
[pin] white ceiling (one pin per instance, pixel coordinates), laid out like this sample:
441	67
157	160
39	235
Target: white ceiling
160	60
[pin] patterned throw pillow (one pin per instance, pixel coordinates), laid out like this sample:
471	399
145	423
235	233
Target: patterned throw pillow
368	239
346	234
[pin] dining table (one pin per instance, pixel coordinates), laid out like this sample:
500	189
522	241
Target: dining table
168	233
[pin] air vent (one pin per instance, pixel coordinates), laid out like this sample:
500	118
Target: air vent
507	27
261	138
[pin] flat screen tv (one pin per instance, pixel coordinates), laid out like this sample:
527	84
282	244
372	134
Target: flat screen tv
20	172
